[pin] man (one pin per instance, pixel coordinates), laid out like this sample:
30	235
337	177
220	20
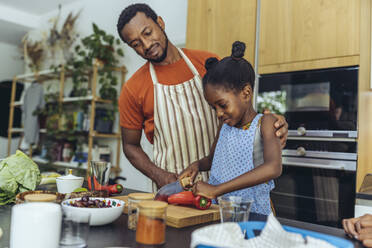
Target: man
165	98
359	228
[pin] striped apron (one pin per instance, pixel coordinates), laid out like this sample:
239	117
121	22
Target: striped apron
185	125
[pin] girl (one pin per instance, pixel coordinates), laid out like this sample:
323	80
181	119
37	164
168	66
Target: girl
234	168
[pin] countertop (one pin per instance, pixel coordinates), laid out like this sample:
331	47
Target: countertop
118	235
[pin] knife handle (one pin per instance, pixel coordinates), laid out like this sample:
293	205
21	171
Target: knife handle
186	182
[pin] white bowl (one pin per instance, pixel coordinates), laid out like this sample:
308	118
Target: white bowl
98	216
67	184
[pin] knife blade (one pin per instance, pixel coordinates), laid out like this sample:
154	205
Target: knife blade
172	188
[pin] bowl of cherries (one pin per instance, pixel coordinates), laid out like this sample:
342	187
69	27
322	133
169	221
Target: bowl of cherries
102	210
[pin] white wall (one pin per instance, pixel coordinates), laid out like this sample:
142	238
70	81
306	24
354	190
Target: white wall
105	15
10	60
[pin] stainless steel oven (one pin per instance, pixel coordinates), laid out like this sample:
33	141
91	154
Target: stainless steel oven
319	161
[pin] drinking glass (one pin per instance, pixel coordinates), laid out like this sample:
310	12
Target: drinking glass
75	229
234	208
98	174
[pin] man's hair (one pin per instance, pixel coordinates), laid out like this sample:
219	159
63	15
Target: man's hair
129	12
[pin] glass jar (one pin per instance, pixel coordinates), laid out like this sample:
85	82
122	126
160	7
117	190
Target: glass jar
133	200
151	222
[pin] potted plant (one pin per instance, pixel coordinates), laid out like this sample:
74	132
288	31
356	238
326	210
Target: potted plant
100	46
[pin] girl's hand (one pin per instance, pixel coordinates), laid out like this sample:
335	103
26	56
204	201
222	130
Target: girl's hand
205	189
191	171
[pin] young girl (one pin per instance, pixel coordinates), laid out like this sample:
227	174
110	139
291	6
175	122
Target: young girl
234	170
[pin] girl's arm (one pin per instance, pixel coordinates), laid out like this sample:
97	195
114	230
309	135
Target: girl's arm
270	169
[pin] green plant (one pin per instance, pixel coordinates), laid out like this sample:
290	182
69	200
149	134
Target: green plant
98	46
273	101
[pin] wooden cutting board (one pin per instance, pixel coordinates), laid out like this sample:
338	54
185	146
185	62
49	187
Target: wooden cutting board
180	216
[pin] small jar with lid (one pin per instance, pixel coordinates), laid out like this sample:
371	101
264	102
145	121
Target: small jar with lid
133	200
151	222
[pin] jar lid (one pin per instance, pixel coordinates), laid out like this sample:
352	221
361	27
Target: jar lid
141	196
69	177
159	205
40	197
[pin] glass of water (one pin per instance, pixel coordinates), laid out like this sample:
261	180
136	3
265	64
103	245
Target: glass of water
98	174
234	208
75	229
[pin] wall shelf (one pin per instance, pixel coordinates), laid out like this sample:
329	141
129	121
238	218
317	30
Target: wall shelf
59	76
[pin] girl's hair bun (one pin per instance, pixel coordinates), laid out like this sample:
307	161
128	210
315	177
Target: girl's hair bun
210	62
238	49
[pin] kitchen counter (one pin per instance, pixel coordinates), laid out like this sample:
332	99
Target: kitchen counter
117	234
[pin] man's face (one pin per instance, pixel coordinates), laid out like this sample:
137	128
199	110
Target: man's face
146	37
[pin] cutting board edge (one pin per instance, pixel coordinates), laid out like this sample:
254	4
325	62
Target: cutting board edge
177	222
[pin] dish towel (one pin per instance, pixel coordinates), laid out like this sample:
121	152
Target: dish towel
273	235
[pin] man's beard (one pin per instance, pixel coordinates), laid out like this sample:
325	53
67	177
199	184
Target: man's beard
164	55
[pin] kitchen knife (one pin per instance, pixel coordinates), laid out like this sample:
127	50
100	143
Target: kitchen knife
172	188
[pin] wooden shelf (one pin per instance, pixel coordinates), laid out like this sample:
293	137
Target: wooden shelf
20	130
105	135
73	165
59	77
72	99
39	76
94	133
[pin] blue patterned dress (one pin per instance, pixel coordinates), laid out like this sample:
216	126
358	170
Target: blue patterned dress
233	157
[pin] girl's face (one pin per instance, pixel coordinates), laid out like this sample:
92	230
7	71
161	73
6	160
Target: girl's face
232	108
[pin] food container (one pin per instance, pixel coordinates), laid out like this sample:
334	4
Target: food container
133	200
151	222
67	184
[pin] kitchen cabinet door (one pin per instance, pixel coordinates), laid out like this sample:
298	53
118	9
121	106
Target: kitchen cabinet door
213	25
308	34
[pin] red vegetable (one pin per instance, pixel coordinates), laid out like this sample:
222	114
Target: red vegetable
202	202
112	189
187	198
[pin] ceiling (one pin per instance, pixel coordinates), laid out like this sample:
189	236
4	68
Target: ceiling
14	25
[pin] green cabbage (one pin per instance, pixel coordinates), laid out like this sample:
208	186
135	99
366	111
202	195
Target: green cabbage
18	173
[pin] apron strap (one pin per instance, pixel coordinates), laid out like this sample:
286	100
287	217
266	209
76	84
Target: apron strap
187	60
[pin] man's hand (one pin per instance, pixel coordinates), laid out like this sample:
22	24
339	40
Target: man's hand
281	126
349	227
164	178
359	228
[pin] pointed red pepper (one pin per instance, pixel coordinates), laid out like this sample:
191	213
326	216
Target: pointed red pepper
202	202
112	189
187	198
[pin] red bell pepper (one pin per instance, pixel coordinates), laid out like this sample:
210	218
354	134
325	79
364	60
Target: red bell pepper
112	189
187	198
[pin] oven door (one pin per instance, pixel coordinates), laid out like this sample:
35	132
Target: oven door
315	190
320	103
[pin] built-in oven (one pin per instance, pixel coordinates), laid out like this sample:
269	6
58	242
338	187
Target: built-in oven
319	160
